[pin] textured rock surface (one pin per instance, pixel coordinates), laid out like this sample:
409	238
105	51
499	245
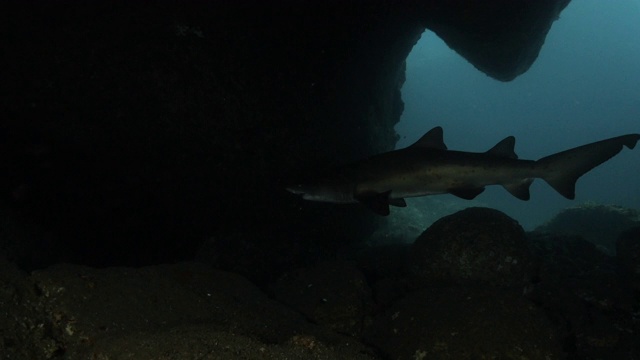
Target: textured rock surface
24	326
503	49
475	245
334	294
598	224
628	250
465	323
579	304
588	296
173	312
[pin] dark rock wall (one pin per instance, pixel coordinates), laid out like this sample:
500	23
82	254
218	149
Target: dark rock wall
501	38
133	132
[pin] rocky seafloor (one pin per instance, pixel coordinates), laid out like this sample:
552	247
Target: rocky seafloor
474	285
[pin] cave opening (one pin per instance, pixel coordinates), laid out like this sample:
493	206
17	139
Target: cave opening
581	88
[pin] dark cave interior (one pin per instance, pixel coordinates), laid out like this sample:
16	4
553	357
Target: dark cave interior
137	133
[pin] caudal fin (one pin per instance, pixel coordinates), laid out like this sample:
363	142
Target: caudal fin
563	169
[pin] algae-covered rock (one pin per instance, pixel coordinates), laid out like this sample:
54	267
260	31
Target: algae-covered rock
335	294
25	330
465	323
405	224
587	294
206	343
599	224
628	250
473	245
181	311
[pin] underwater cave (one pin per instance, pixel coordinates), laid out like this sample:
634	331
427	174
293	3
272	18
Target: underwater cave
146	149
141	134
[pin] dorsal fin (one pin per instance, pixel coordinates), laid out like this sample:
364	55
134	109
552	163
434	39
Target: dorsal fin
432	139
504	148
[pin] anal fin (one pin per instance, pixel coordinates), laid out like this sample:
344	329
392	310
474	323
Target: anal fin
466	193
377	202
520	189
398	202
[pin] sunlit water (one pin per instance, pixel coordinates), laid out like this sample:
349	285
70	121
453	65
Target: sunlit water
584	87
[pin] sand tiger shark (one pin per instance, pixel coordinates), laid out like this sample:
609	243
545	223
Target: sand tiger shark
427	167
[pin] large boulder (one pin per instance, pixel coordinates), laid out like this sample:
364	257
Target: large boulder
335	294
465	323
628	250
475	245
587	295
596	223
180	311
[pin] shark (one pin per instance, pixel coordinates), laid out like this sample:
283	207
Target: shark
427	168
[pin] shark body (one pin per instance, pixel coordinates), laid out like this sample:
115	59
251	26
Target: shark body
427	167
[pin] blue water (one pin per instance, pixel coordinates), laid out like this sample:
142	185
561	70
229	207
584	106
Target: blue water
584	87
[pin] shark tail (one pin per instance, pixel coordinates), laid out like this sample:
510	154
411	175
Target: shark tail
562	170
